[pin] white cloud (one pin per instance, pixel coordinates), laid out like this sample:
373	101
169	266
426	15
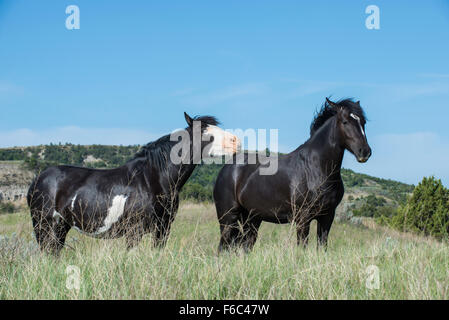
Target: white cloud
406	157
76	135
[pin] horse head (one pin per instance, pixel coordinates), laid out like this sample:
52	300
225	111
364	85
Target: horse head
351	123
215	142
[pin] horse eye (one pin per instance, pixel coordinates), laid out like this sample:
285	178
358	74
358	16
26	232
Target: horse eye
345	122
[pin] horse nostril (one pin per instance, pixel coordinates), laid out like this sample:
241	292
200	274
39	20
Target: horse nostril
367	152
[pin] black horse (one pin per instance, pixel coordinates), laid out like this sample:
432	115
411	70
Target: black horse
306	186
139	197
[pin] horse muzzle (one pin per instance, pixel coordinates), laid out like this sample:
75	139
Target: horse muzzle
232	145
364	155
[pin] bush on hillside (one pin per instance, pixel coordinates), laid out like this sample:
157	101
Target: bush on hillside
426	211
196	192
7	207
370	207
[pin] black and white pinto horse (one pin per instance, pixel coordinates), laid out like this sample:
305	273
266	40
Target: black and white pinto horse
139	197
306	186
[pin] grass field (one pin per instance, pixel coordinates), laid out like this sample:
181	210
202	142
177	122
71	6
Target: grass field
409	267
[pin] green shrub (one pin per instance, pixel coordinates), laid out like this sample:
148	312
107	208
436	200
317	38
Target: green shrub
7	207
370	207
426	211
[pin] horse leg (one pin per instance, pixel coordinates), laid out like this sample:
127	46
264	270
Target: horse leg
230	230
50	233
229	236
163	230
57	240
49	227
323	227
40	207
160	236
250	231
302	233
42	229
41	217
134	235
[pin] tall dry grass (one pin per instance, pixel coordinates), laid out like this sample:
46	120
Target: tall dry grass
410	267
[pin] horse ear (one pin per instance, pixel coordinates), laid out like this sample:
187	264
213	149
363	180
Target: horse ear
332	104
189	120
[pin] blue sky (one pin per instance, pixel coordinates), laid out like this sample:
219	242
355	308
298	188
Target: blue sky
133	67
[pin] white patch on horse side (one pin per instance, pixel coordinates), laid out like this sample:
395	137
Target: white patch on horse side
224	143
73	201
114	213
358	120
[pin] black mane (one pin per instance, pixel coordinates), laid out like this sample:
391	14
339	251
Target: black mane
158	151
327	111
207	120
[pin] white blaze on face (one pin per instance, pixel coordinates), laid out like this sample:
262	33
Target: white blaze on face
114	213
224	143
358	120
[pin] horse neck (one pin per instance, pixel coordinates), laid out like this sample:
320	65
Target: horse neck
179	174
173	176
327	144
